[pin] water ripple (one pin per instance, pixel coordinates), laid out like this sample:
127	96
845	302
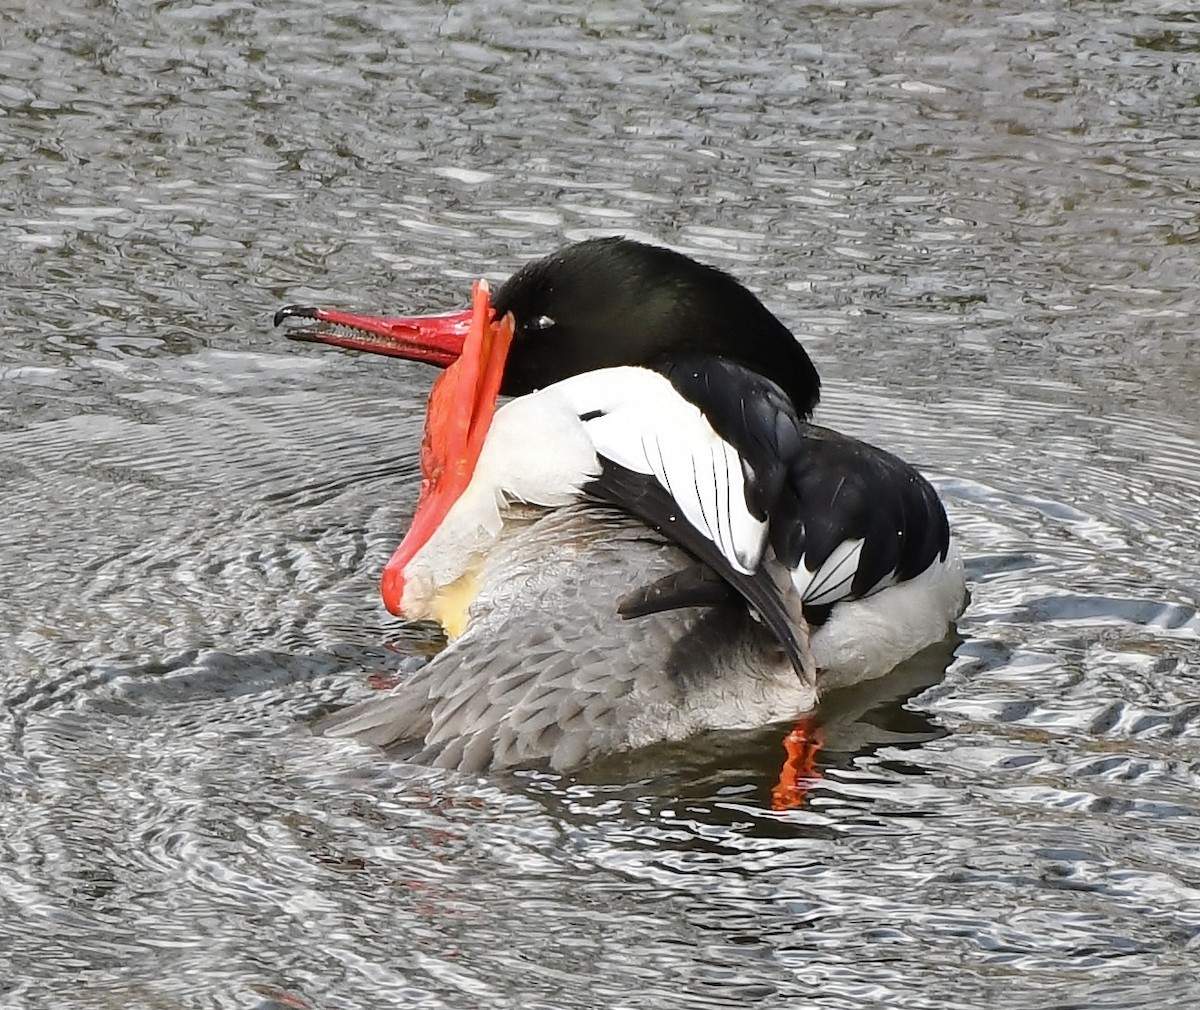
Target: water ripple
980	219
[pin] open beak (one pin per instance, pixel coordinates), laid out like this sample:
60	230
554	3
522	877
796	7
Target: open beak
437	339
473	349
461	406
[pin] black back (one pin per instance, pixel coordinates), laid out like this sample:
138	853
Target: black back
815	487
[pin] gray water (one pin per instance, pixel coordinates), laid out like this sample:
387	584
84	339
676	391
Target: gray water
984	222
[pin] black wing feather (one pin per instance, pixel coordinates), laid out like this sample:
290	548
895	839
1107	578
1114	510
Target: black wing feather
816	487
840	489
641	495
749	412
694	586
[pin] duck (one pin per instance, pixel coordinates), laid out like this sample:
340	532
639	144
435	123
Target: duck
650	537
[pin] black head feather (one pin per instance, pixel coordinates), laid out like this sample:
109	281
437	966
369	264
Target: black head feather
612	301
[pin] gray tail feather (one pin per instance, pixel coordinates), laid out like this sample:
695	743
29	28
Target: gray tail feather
383	722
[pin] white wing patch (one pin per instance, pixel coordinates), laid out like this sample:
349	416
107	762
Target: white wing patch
832	581
636	419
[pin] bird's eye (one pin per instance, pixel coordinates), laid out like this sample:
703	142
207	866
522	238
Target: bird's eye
540	323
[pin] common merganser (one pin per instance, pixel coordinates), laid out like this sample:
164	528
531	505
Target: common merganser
651	538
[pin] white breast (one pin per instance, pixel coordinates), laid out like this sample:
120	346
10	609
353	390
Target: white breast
865	638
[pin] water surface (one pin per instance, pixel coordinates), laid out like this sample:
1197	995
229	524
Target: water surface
982	220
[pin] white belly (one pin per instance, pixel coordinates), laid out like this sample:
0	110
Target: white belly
865	638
